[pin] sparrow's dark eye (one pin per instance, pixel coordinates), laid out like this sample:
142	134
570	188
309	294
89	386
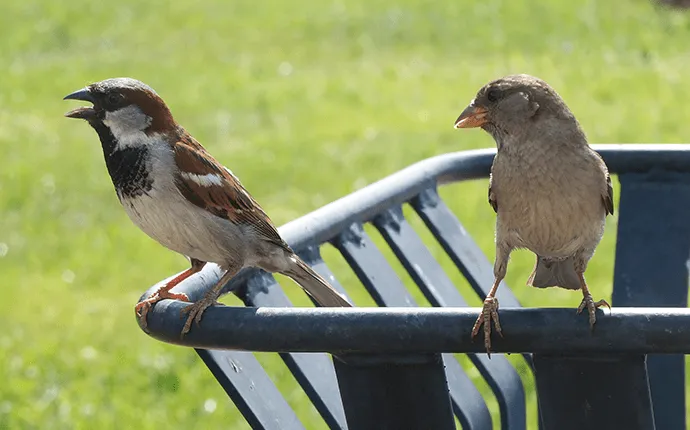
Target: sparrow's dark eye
114	99
493	95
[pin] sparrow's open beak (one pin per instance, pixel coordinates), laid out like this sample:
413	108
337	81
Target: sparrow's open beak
84	112
472	116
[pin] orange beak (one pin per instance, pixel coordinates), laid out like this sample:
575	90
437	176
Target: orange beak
472	116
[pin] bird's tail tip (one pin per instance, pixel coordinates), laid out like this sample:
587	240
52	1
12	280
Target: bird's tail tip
316	286
549	273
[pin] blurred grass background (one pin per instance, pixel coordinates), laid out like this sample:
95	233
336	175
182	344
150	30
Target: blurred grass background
305	101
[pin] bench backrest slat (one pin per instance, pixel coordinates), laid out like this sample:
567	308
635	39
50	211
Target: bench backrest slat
314	372
460	246
250	388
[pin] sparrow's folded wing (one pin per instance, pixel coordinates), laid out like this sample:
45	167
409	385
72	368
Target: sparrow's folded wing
492	196
608	196
208	184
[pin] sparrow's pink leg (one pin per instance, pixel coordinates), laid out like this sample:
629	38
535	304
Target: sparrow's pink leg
489	313
163	292
195	311
589	303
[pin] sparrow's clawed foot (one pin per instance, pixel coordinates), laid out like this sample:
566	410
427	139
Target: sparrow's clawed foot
195	311
142	308
591	305
489	313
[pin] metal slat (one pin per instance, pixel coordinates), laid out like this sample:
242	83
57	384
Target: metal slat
372	268
384	285
250	388
460	246
440	291
313	371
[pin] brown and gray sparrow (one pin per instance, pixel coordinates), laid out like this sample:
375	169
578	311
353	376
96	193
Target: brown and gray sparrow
551	191
179	195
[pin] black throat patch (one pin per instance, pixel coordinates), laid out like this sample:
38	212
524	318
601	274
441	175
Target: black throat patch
127	167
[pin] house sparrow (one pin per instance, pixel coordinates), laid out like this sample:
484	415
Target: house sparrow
551	191
179	195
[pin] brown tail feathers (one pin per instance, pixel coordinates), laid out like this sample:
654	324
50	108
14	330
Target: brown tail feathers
315	285
549	273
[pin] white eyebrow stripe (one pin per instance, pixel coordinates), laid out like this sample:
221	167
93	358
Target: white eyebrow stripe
207	180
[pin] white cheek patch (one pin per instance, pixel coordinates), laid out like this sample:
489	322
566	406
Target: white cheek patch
207	180
128	125
127	120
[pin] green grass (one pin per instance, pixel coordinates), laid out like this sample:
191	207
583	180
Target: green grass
306	101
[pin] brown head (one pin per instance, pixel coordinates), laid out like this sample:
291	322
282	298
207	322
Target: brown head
124	105
510	105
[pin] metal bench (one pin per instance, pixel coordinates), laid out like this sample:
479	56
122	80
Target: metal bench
392	367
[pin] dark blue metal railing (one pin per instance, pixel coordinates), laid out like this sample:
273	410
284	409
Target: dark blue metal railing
394	365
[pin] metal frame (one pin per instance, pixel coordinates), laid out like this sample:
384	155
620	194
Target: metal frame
393	365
